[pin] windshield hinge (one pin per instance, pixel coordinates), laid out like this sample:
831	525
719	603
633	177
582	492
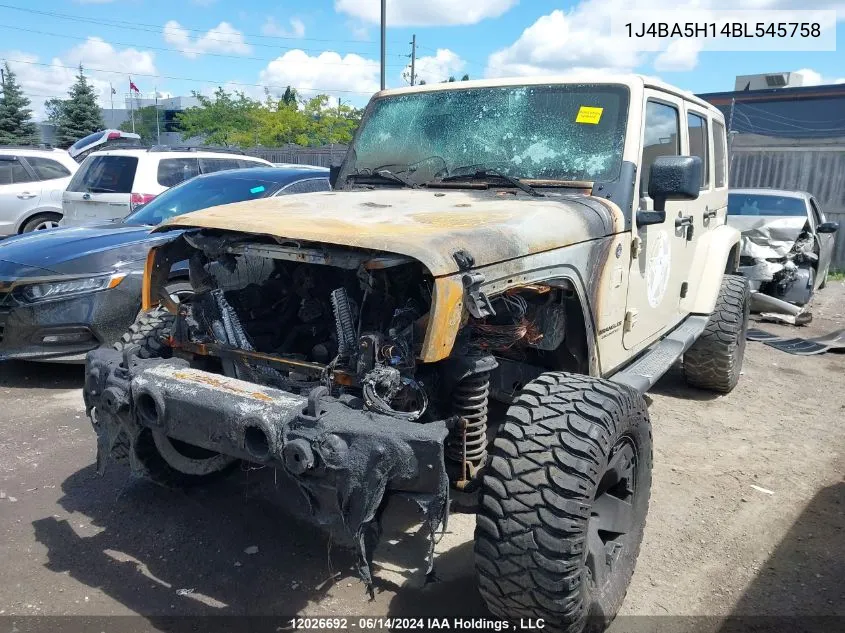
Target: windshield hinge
477	302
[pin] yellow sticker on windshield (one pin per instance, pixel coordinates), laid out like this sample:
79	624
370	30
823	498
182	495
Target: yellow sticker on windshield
589	115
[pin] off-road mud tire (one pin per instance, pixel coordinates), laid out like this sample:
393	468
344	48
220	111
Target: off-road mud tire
714	361
539	495
149	332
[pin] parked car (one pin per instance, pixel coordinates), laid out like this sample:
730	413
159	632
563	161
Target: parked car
787	243
297	166
111	184
31	185
67	291
102	140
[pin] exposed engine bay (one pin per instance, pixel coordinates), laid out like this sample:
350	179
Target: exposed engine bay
297	316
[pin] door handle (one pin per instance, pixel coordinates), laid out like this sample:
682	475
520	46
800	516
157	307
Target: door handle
686	222
26	195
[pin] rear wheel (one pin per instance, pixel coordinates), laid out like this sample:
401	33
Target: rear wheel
42	222
714	362
563	502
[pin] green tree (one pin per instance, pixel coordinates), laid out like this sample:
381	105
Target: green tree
145	124
220	119
79	115
465	78
16	126
290	98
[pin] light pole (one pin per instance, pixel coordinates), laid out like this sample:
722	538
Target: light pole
383	39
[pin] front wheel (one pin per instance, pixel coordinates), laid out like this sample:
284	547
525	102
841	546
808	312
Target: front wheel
563	502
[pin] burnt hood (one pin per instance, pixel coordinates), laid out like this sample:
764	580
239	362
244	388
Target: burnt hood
78	250
429	225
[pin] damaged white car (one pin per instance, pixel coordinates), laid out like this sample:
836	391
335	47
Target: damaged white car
787	245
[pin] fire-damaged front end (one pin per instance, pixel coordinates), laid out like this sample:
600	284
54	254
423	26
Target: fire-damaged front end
363	373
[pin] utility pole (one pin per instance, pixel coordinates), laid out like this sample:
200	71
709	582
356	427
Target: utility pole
158	132
383	41
413	59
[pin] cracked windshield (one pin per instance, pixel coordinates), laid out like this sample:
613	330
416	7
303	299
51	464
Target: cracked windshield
567	133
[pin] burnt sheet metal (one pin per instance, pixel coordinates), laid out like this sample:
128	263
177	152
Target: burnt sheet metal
429	226
798	346
346	461
834	341
767	237
761	336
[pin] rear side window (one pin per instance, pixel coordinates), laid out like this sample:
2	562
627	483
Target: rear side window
662	137
105	174
697	129
13	172
306	186
210	165
47	169
720	154
172	171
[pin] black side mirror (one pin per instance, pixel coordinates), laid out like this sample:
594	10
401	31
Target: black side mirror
674	178
828	227
334	172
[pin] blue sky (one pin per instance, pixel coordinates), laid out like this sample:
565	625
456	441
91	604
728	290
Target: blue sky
332	45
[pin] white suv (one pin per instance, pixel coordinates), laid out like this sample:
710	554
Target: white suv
31	184
110	184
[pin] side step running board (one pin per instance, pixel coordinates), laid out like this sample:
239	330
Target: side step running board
656	361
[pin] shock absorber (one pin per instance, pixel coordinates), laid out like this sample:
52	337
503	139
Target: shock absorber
467	442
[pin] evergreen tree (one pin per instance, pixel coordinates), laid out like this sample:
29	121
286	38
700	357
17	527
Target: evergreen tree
80	115
16	128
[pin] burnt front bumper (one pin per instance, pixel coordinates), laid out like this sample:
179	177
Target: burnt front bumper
347	461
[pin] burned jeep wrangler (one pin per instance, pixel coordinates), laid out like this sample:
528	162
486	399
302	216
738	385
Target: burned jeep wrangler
501	271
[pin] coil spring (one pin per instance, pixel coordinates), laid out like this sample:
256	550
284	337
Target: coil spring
469	401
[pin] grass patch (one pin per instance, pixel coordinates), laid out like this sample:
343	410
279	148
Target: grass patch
836	275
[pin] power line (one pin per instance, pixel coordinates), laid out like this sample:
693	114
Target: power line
176	50
202	81
125	24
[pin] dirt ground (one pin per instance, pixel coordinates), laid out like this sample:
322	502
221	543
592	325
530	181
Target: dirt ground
747	513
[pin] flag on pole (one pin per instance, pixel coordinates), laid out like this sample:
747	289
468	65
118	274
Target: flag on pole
113	91
132	86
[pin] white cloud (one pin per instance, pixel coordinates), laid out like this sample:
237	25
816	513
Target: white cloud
326	72
579	39
430	13
436	68
271	27
42	82
680	55
224	38
814	78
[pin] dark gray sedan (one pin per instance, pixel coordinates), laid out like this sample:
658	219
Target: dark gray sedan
67	291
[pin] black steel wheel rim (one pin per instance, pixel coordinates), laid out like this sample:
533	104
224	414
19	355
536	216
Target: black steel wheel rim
612	519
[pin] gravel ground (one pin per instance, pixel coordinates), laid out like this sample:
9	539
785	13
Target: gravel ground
747	513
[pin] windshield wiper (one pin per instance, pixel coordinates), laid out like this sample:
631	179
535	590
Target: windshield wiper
481	174
100	190
386	174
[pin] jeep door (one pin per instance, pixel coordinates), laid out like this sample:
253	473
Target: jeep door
825	243
661	254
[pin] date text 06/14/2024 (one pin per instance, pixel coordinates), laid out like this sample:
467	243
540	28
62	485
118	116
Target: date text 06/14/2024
412	624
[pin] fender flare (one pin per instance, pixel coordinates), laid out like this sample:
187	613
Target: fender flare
718	250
